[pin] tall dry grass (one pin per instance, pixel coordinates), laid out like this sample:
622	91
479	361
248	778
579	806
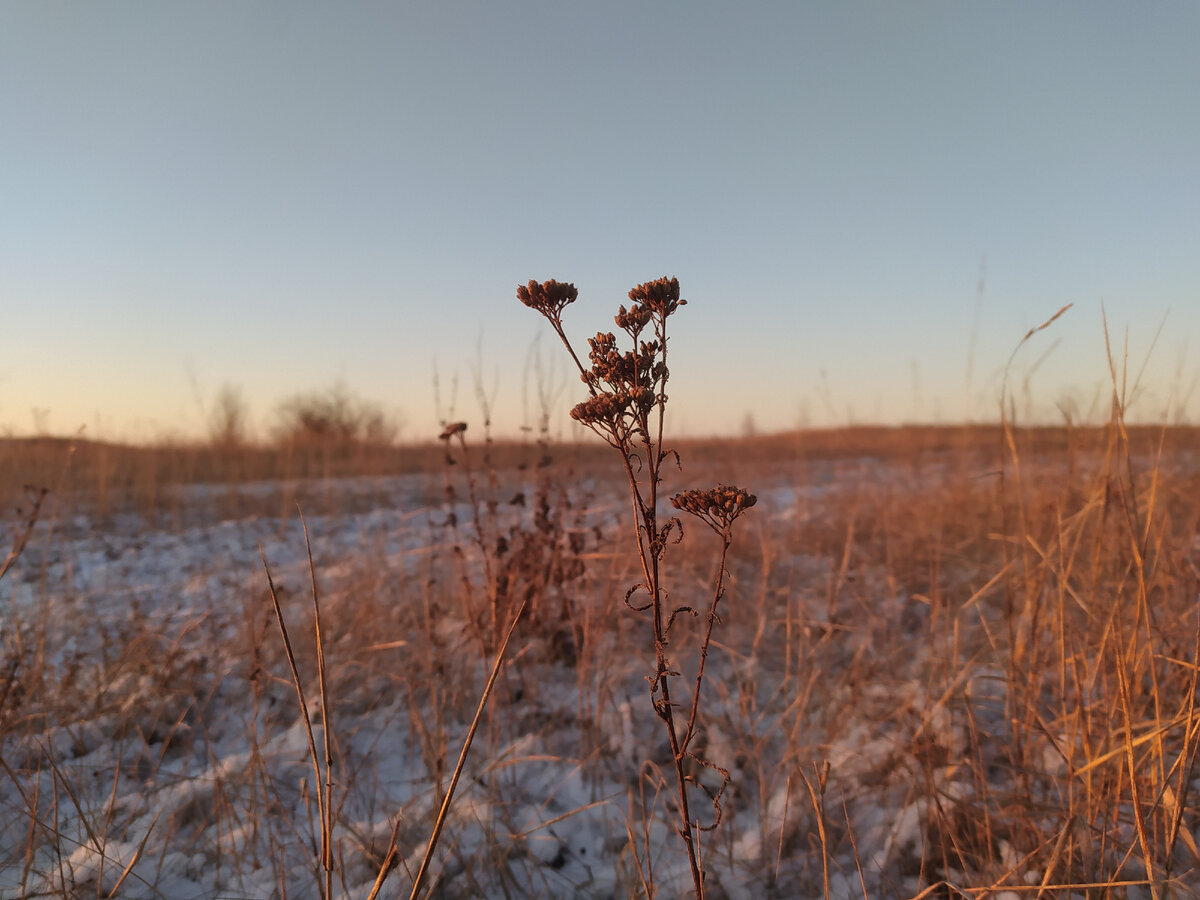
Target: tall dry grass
997	650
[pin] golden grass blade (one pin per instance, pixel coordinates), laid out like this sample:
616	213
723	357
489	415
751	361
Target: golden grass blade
291	658
326	805
440	822
388	859
137	854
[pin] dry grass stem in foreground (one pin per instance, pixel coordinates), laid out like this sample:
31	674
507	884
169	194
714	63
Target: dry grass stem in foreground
626	407
324	791
21	538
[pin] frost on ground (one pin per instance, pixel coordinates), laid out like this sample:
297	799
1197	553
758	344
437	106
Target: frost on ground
152	741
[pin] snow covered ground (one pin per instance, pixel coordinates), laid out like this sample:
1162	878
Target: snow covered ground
151	736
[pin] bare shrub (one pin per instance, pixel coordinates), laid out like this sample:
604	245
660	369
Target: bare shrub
228	420
334	415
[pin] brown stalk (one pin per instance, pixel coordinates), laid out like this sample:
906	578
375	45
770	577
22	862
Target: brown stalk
21	538
862	879
663	707
817	798
327	805
710	620
388	861
137	854
312	744
627	409
440	822
1139	817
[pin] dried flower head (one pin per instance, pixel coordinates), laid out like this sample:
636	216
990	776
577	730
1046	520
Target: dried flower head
602	411
633	320
548	298
717	506
609	365
451	430
660	297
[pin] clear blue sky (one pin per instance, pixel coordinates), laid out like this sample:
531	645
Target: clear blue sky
280	196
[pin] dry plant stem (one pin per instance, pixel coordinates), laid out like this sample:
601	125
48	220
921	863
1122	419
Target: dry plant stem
649	539
480	534
327	806
626	408
1186	759
388	859
633	849
22	537
322	800
462	756
862	880
133	861
1139	819
710	621
817	798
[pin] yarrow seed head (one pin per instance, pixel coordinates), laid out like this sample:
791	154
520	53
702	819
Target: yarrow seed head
548	298
633	320
660	297
717	506
608	363
602	409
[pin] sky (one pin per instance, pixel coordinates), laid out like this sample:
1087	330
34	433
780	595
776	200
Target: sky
868	205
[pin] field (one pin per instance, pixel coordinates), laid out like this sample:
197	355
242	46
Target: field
949	662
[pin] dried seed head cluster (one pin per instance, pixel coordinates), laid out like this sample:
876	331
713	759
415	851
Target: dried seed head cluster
451	430
603	410
633	320
661	297
625	386
549	298
653	299
717	506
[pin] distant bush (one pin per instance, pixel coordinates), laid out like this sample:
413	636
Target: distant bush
333	416
228	418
